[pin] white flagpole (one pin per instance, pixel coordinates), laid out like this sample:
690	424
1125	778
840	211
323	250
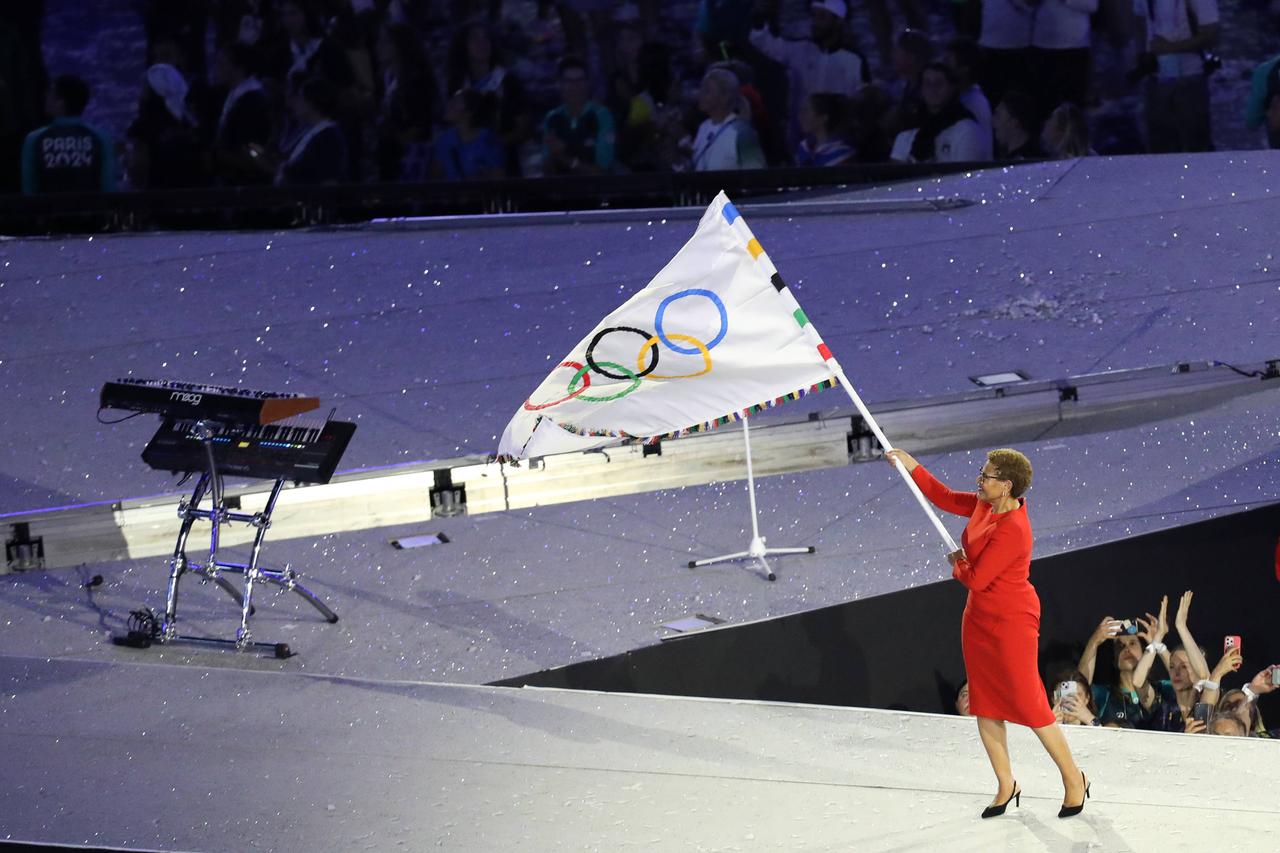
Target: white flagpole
838	373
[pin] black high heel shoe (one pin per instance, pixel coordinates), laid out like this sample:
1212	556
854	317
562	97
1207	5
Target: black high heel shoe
1072	811
996	811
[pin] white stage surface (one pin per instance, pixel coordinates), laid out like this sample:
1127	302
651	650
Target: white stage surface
175	758
429	336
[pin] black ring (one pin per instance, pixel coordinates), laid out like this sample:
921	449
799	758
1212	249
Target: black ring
591	347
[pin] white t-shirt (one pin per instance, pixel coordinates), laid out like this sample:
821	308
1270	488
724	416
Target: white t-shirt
810	67
960	143
1006	24
975	101
1063	24
716	146
1169	20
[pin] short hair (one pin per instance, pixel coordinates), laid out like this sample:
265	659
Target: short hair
568	62
1021	107
832	106
321	95
966	52
724	79
1012	466
73	92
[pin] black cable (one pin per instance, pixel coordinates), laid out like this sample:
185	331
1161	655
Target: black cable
1252	374
120	421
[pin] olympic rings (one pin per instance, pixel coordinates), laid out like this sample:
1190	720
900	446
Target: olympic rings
582	374
651	343
530	407
613	370
701	347
692	291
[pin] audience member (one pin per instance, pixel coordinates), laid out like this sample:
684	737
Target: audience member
474	62
466	148
1016	129
725	140
1264	88
1005	39
822	120
947	132
165	150
824	63
67	155
244	124
1185	664
1072	700
408	104
578	136
962	700
1066	133
1119	699
1061	54
964	58
912	52
1177	34
650	126
882	24
319	154
303	52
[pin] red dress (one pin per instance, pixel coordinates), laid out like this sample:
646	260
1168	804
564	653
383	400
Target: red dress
1000	633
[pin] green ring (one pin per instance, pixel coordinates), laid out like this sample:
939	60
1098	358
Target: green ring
635	382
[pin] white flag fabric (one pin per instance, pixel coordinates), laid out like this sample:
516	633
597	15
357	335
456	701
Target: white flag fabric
715	336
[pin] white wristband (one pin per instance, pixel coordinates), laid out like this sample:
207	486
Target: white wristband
1206	684
1157	647
1248	693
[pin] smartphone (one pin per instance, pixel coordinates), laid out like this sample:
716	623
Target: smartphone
1067	688
1232	641
1275	674
1202	711
1126	626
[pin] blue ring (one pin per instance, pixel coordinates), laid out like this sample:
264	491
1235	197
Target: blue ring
693	291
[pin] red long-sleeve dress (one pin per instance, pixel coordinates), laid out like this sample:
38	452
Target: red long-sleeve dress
1000	632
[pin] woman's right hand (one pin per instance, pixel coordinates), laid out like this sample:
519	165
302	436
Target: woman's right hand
1193	726
903	458
1107	629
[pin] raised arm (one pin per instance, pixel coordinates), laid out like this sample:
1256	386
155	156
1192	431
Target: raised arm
1106	630
1153	631
1199	666
1230	662
960	503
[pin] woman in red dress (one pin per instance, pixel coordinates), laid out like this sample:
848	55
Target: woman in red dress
1000	631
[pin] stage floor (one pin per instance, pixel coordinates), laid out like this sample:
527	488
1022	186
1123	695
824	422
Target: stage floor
179	758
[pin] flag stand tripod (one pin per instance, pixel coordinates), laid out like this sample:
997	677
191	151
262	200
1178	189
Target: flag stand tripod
756	550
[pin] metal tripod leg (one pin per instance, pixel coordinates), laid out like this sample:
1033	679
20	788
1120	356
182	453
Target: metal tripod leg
757	549
178	565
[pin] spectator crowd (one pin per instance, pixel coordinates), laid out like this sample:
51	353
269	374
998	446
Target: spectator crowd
255	92
1123	687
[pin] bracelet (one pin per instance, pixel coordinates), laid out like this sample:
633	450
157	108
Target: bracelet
1157	647
1250	696
1206	684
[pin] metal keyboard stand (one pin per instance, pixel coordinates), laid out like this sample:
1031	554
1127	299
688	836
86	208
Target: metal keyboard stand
189	510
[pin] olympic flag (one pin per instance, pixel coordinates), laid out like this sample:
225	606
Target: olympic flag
714	336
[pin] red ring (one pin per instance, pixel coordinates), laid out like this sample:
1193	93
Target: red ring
586	383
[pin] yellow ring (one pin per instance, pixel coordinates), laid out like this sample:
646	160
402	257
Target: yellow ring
702	348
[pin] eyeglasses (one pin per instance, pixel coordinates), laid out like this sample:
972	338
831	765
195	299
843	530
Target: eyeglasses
985	476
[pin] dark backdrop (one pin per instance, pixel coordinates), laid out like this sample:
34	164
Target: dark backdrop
902	650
